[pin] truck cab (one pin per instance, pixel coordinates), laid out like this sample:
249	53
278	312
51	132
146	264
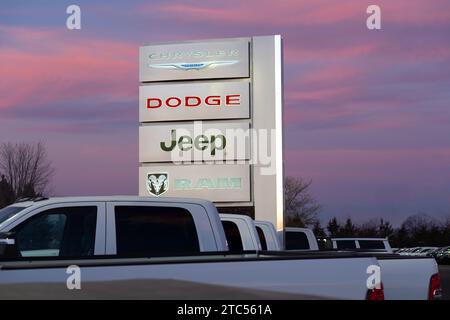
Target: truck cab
268	236
300	239
240	232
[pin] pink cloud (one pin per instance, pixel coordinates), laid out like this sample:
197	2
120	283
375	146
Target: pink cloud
262	11
75	67
370	165
300	52
294	12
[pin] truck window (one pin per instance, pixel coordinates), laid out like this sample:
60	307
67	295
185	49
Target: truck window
8	212
345	244
153	231
233	236
59	232
262	238
371	244
296	241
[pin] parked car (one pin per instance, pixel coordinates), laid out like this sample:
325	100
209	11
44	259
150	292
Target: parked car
409	251
426	251
443	256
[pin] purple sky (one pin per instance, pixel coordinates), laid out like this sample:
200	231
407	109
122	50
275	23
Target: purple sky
367	113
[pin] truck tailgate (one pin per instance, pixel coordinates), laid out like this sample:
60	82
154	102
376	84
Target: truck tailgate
406	278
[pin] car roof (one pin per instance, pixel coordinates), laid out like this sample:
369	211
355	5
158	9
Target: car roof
116	198
107	198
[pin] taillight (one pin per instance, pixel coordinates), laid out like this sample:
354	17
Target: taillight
435	291
375	294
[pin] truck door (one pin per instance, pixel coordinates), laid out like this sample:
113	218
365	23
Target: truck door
72	230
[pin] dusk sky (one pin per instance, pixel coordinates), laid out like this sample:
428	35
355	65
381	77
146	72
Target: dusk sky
367	113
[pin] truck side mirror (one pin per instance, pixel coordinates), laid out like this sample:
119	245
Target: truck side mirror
8	246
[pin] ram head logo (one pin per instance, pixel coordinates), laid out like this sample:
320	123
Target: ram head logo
157	183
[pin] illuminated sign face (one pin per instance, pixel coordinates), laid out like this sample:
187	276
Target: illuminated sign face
216	182
158	183
194	101
199	60
198	141
203	51
229	100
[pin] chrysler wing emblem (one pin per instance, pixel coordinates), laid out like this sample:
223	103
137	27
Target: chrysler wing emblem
157	183
193	65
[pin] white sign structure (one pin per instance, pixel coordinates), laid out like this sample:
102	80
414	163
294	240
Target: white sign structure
210	116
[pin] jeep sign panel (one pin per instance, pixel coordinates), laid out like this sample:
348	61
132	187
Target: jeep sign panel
199	60
216	182
194	101
201	141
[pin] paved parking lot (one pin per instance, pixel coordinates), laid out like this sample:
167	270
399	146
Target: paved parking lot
444	271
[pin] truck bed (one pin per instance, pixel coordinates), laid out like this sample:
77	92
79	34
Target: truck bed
342	276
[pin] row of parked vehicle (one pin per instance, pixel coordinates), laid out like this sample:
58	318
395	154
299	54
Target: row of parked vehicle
135	238
441	254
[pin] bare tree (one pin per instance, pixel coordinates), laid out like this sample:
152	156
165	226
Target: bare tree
300	206
25	169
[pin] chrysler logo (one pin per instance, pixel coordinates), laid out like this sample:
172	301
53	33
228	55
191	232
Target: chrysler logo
193	65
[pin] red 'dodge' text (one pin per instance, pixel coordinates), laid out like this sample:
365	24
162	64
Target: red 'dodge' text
195	101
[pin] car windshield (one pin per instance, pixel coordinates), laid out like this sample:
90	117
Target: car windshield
8	212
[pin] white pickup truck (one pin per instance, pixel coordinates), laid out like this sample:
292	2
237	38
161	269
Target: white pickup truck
123	238
403	278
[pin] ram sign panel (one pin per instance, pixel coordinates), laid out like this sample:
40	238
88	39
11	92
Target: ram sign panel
219	183
197	60
194	141
194	101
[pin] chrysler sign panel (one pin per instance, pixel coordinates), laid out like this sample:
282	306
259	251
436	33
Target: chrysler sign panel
194	141
194	101
199	60
219	183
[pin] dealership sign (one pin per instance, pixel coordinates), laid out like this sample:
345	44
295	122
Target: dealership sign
205	108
